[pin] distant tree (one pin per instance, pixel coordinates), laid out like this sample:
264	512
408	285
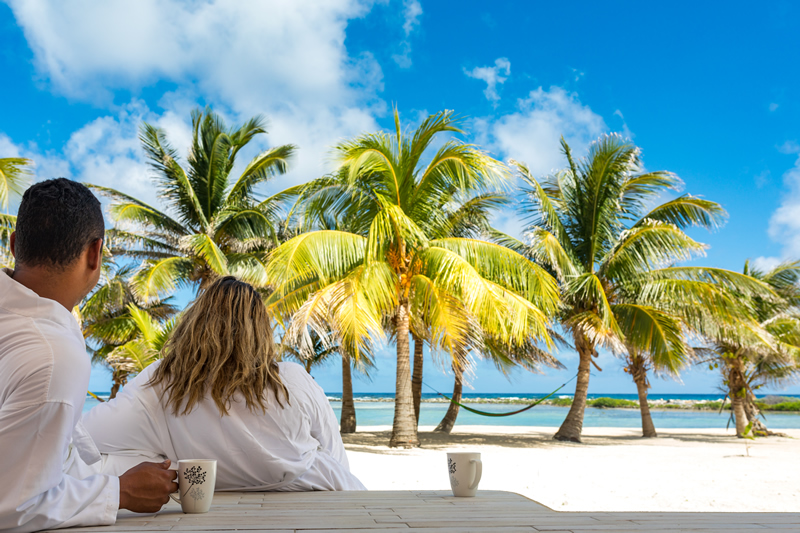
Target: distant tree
765	352
220	227
109	321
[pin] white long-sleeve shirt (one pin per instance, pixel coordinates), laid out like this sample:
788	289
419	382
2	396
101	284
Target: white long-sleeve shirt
44	453
294	448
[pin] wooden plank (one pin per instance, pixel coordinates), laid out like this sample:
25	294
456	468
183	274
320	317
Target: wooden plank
419	511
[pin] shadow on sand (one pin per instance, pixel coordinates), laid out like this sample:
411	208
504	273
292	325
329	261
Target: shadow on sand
376	441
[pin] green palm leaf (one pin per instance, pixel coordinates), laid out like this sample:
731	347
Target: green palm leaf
654	332
15	175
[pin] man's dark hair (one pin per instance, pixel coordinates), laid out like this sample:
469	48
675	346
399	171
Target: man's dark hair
57	220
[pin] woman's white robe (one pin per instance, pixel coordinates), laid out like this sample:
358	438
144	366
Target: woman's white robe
294	448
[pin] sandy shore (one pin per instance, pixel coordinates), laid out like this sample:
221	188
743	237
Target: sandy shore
613	470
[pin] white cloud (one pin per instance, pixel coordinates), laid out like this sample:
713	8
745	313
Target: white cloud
286	60
412	11
493	76
784	225
773	106
765	264
532	133
248	51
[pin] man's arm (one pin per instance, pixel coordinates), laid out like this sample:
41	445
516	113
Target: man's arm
35	493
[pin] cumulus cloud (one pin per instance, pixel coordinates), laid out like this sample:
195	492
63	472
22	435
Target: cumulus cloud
246	51
493	76
412	11
286	60
784	225
531	134
765	264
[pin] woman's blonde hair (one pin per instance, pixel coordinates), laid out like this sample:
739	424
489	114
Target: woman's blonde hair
222	345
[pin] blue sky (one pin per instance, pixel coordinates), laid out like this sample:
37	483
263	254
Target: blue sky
707	90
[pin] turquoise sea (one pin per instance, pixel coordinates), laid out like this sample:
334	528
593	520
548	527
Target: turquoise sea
377	410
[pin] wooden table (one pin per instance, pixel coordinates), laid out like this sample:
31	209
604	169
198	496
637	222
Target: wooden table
420	511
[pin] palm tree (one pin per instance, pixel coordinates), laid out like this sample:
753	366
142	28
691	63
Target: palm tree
219	227
459	217
145	347
14	179
591	226
390	262
107	320
764	353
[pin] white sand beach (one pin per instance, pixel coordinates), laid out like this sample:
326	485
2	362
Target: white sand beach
613	470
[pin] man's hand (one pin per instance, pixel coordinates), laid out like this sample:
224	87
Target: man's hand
146	487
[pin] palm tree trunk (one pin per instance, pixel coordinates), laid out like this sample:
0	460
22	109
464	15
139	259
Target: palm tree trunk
637	368
572	426
737	402
416	378
404	428
648	429
348	422
119	379
737	391
449	420
752	412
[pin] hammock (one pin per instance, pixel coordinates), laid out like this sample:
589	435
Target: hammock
486	413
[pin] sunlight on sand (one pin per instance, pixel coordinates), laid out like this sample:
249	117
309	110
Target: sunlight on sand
613	470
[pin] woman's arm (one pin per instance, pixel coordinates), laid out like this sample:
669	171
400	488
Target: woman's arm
324	426
128	429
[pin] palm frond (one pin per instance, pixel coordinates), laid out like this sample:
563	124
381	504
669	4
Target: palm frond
654	332
154	279
15	175
687	211
260	169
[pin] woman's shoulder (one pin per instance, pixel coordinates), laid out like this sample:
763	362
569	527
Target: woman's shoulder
293	371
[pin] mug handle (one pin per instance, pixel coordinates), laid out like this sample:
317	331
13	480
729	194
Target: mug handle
478	473
175	498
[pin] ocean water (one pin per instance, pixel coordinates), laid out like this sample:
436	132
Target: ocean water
378	410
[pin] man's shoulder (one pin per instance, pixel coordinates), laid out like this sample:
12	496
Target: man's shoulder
39	356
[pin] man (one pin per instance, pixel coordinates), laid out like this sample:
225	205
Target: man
49	466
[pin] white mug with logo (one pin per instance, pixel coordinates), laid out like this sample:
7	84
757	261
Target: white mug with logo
465	471
196	480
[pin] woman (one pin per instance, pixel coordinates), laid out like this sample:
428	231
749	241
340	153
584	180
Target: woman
219	393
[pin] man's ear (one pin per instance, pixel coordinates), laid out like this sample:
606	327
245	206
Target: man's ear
12	241
95	254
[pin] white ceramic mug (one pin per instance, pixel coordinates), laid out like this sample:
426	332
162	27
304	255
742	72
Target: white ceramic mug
196	480
465	471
